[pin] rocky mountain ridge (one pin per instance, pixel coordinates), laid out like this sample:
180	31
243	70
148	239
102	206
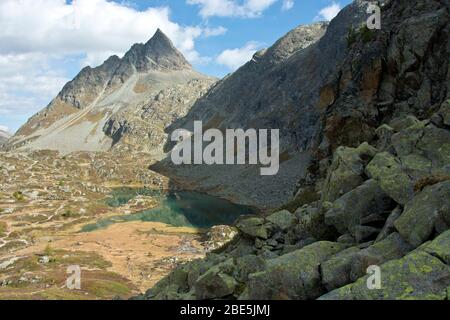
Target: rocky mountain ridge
91	110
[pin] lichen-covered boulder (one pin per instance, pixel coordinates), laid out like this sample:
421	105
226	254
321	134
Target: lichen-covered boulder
294	275
366	204
247	265
439	247
217	282
403	122
421	275
336	271
346	170
429	211
351	264
423	149
435	146
253	227
388	171
393	247
282	219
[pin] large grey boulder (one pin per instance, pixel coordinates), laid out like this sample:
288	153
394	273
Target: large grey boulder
388	171
366	204
346	171
351	264
217	282
423	152
253	228
423	149
428	212
393	247
282	219
403	122
294	275
424	274
246	265
336	271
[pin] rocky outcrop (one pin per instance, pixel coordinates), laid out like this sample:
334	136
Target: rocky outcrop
426	214
324	249
423	275
295	275
358	211
380	167
347	170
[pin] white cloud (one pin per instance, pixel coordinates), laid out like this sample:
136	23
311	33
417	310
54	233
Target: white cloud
92	27
4	128
232	8
212	32
234	58
329	12
42	39
27	82
287	5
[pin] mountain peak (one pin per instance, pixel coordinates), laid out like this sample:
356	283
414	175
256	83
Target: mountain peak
158	53
160	37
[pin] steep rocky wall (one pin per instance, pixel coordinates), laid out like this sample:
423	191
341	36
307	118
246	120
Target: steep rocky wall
330	89
376	193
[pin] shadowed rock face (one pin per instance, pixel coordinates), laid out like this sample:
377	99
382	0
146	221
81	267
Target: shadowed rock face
280	88
272	81
335	92
101	105
374	201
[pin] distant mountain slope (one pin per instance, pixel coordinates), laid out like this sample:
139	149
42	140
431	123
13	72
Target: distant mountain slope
95	110
4	136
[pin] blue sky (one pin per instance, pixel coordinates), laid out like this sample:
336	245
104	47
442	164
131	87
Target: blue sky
40	53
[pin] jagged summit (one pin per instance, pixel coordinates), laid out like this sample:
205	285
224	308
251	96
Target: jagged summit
160	38
158	53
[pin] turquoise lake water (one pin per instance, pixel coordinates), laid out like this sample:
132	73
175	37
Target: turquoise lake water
180	209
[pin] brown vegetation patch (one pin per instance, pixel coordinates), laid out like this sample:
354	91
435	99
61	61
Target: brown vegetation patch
429	181
140	88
